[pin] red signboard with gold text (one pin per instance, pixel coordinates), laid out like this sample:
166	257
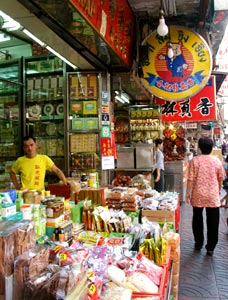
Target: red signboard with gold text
113	20
201	107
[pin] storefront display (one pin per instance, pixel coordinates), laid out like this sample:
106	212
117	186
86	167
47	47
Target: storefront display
80	236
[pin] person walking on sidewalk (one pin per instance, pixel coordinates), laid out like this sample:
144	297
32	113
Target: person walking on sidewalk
204	181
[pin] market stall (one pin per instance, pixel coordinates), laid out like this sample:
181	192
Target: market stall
85	250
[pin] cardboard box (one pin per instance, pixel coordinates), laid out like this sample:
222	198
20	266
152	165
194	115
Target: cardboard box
159	215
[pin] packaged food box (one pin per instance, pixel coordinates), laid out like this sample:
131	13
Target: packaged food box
77	124
76	107
89	107
90	123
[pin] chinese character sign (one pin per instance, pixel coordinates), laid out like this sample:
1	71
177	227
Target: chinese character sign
179	75
200	107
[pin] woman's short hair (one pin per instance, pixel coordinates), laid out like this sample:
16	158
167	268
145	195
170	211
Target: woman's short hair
158	142
205	144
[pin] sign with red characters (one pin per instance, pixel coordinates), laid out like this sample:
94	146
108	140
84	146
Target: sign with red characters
113	20
201	107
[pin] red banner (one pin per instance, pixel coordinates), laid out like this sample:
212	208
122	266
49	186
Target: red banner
201	107
113	20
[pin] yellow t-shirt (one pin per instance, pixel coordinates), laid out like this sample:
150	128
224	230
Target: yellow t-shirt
32	171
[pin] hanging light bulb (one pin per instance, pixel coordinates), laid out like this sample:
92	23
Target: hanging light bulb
162	29
170	50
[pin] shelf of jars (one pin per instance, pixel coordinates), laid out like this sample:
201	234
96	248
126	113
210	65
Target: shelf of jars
145	123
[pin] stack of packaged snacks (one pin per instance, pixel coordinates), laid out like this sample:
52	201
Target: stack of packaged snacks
174	242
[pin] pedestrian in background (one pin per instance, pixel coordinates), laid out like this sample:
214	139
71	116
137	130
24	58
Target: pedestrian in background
224	147
159	181
204	182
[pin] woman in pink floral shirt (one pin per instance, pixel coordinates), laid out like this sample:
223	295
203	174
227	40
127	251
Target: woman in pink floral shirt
205	178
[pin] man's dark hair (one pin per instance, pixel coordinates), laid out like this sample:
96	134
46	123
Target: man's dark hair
205	145
28	137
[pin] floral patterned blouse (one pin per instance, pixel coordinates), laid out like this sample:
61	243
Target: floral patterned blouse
205	172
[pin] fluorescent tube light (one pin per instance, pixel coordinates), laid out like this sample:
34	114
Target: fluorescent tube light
119	99
125	98
61	57
33	37
9	23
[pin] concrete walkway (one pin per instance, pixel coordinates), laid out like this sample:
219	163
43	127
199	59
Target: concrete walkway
203	277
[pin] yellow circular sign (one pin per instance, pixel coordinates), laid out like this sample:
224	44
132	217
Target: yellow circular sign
180	73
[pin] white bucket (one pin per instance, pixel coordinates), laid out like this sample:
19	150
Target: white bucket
26	212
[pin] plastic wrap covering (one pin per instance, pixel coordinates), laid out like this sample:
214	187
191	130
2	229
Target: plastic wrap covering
56	287
15	238
29	266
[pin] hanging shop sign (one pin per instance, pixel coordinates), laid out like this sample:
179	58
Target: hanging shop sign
113	20
106	147
178	74
200	107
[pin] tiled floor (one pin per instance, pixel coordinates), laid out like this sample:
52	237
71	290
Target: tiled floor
203	277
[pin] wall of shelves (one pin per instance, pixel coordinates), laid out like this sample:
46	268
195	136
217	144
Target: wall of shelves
45	99
83	127
10	118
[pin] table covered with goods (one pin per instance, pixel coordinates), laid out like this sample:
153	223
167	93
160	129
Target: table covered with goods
86	250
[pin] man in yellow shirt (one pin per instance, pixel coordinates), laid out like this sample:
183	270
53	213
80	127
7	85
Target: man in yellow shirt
32	168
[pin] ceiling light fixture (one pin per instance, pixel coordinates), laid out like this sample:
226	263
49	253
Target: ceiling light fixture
122	97
125	97
4	37
61	57
118	98
9	24
162	28
33	37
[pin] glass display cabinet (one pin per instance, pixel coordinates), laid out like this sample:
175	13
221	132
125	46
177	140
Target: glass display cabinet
44	105
10	118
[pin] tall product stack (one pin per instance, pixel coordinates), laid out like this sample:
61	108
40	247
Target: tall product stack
174	242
